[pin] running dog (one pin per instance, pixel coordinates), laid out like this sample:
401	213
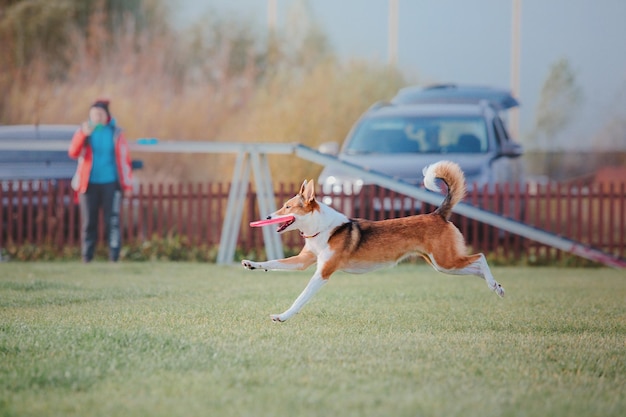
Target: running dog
337	243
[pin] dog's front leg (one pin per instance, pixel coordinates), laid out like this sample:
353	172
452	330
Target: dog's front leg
312	287
299	262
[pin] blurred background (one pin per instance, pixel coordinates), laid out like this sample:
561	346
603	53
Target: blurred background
304	71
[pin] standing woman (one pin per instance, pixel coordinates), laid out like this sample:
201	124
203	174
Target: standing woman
103	174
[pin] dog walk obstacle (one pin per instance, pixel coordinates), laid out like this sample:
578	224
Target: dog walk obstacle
254	155
466	210
252	158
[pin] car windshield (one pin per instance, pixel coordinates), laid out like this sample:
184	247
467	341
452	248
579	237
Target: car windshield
449	134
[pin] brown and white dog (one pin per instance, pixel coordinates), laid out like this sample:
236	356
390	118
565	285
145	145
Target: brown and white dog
338	243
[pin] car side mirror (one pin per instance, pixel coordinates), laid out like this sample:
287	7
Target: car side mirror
330	148
511	150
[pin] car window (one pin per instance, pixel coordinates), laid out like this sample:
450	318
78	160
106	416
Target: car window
419	135
501	132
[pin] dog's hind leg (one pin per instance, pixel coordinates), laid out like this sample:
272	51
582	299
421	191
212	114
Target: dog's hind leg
470	265
314	285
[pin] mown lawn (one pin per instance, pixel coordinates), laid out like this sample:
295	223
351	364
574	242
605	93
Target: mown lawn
166	339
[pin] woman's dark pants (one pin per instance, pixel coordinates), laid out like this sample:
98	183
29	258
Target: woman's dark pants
107	197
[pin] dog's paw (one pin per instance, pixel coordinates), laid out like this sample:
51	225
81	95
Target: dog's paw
498	289
276	318
252	265
249	264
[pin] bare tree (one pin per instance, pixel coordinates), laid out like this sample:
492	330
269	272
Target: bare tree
560	98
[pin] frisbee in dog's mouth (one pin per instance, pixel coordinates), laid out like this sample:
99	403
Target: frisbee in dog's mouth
285	222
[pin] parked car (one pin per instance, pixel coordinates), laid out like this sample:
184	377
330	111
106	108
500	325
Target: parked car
421	126
39	161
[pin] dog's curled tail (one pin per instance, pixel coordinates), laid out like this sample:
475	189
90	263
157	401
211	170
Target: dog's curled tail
451	174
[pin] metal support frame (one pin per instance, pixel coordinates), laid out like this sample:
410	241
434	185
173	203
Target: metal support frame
236	200
234	209
267	203
251	158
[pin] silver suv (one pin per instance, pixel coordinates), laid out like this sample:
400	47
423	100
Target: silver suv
421	126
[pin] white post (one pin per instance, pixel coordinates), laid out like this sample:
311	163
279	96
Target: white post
271	15
516	17
393	33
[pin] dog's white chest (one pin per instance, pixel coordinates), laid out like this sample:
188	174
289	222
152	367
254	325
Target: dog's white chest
317	245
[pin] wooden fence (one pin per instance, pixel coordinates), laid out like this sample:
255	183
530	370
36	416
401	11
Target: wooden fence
46	212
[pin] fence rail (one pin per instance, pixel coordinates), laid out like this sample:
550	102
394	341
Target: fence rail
46	212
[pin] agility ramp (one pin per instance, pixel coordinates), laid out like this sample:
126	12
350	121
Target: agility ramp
253	156
252	159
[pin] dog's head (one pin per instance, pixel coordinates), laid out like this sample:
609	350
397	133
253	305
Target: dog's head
298	210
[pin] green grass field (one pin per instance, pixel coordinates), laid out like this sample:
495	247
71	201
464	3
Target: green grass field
165	339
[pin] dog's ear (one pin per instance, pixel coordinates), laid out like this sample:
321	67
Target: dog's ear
309	191
302	187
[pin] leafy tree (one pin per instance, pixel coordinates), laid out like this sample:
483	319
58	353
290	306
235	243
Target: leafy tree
42	40
42	29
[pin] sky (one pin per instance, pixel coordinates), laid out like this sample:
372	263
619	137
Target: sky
469	42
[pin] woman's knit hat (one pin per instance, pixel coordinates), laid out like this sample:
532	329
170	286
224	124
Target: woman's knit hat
103	104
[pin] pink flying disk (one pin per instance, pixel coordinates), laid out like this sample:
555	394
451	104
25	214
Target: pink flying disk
259	223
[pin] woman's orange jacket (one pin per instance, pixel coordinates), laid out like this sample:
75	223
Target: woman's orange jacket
80	149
